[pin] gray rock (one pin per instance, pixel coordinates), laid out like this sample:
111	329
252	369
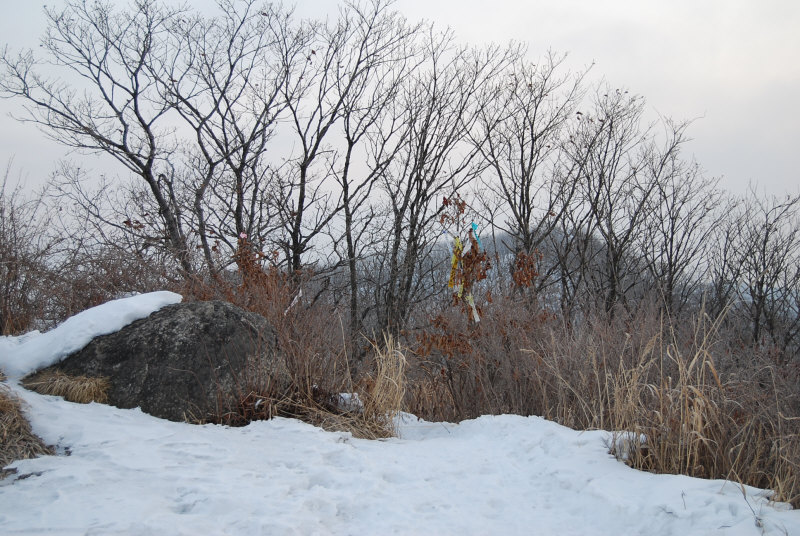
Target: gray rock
187	361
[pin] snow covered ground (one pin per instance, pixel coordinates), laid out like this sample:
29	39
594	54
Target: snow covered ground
130	473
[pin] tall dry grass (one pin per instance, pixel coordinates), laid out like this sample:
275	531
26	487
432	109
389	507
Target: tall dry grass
702	411
384	389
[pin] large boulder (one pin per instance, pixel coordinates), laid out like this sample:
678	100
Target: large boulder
186	361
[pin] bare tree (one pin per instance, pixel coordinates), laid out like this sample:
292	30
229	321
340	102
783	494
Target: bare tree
229	83
609	149
341	62
679	221
27	245
519	136
368	131
118	110
436	109
575	250
724	271
768	248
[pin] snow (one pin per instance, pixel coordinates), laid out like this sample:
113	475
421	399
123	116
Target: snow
22	355
130	473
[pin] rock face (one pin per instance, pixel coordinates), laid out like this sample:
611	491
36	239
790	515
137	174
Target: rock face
180	363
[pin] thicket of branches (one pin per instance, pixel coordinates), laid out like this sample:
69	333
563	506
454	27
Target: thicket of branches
331	146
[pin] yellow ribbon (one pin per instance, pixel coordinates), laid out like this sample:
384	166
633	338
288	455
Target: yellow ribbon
457	249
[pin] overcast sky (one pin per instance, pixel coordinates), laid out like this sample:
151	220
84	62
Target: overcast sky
733	65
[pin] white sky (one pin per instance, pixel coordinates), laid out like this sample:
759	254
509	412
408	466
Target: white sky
731	64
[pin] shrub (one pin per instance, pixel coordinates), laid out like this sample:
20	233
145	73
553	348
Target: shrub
315	368
25	246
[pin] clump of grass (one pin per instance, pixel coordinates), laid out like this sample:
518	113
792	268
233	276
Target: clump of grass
376	400
17	441
79	389
383	392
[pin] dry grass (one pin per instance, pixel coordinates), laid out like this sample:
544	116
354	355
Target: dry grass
315	368
313	398
666	387
305	381
80	389
17	441
707	408
383	392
